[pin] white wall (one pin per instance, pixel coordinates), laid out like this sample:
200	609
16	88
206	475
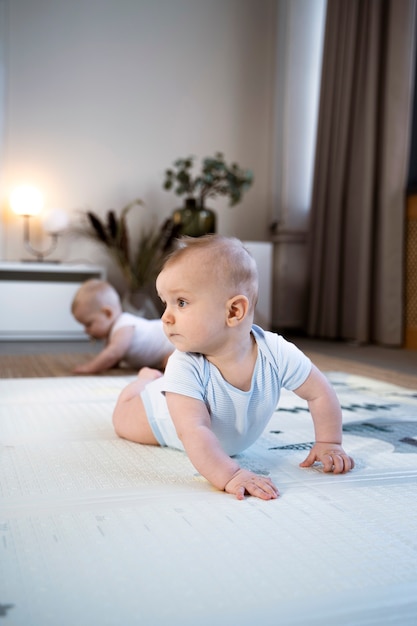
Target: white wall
102	96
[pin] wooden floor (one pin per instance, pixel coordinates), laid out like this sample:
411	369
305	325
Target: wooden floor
395	365
20	359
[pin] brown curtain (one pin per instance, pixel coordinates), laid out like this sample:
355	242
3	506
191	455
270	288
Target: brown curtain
358	204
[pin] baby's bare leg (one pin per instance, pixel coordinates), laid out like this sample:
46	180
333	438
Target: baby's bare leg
129	416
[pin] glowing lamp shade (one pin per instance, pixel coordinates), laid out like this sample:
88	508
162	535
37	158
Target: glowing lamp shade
26	200
54	221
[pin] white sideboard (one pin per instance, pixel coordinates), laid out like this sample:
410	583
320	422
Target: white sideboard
35	299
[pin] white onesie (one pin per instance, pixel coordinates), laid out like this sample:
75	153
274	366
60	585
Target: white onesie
149	345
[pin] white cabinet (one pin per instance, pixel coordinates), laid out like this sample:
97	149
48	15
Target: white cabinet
35	299
262	252
290	282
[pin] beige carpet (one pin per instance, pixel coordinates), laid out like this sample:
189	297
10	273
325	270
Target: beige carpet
62	364
96	530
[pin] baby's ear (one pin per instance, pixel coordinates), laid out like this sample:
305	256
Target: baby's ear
237	309
107	310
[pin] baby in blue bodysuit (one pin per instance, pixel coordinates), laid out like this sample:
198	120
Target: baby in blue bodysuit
223	381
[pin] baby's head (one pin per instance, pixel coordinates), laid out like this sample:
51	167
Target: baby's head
96	305
221	263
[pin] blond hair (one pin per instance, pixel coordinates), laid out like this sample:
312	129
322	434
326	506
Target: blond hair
94	294
226	259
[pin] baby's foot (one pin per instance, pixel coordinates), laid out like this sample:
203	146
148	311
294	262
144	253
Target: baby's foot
147	374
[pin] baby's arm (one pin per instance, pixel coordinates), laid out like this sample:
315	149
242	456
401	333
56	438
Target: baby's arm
111	354
193	425
327	417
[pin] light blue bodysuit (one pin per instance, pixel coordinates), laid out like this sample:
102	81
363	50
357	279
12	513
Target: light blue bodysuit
238	417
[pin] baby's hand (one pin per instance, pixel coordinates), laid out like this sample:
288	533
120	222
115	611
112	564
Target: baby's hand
333	457
245	481
81	369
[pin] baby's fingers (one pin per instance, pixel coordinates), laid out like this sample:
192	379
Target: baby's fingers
341	464
309	460
334	459
264	490
245	481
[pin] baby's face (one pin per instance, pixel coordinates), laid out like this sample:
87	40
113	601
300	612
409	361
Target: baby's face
196	307
97	323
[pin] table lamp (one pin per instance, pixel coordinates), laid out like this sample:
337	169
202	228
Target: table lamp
28	202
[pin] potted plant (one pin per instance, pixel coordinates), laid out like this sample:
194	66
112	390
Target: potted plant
139	265
216	178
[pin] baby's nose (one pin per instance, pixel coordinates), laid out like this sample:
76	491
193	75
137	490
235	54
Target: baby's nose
166	317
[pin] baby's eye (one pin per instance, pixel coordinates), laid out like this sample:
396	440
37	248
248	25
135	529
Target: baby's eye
181	303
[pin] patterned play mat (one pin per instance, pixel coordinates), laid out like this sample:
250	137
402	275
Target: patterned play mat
97	530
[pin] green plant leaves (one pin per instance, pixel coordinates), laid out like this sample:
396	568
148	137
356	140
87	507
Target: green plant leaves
215	179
